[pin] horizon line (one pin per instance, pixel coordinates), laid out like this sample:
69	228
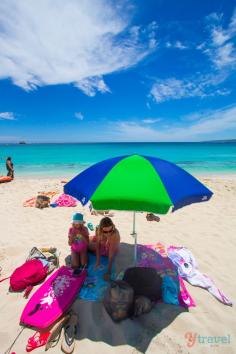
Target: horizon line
116	142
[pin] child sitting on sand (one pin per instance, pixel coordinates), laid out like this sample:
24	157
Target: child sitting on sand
78	239
105	243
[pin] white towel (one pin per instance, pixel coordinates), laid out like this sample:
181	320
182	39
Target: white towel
187	266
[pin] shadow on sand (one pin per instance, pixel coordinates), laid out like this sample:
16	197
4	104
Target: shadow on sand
95	324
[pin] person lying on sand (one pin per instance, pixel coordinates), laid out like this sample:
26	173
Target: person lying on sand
105	243
100	212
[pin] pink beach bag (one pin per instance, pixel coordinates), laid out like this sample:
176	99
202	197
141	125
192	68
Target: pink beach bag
30	273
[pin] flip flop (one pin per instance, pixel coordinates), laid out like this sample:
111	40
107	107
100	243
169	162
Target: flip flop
77	271
55	332
68	341
90	226
37	340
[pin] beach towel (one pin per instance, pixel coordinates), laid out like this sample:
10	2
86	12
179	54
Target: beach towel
94	286
50	194
65	200
155	256
187	266
170	290
31	202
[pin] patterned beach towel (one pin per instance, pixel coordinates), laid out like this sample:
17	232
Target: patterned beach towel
155	256
187	266
94	286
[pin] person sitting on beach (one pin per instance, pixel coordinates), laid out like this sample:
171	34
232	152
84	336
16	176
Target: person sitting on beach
152	217
105	243
78	239
9	167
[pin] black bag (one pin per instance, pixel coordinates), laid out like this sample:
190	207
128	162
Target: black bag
118	300
144	281
142	305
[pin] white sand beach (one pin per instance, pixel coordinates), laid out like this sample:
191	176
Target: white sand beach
207	229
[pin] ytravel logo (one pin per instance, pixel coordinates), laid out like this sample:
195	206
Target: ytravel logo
193	338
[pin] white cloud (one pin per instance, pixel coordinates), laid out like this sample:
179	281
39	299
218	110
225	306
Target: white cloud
219	37
174	89
151	120
59	42
224	55
7	116
201	46
164	90
132	131
221	49
179	45
91	85
79	115
232	25
210	123
202	126
152	29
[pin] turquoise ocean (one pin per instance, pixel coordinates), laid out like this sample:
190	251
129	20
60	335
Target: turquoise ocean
67	160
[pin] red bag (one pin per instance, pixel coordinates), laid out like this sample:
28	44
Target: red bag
30	273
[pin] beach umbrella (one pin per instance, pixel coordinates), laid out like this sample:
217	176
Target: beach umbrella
137	183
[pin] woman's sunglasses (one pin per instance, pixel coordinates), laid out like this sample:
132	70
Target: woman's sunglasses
108	231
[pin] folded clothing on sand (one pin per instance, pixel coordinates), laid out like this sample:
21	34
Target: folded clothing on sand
65	200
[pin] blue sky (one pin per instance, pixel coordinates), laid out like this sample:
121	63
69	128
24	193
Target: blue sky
100	70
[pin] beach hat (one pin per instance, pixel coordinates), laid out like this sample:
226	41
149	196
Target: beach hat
78	218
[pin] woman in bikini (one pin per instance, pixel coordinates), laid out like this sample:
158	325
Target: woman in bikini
105	243
10	167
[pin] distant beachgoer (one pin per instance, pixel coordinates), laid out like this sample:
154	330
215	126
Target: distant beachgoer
78	239
105	243
100	212
10	167
152	217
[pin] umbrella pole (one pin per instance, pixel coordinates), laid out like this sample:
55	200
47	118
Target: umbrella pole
134	234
